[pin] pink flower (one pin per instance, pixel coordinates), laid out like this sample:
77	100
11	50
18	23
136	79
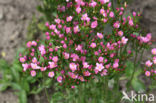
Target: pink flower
102	11
109	4
120	33
43	68
81	78
86	73
59	79
93	4
85	65
104	1
46	24
148	63
116	25
72	75
79	48
55	59
25	66
149	36
144	39
69	18
104	72
147	73
52	65
111	14
100	59
124	40
131	22
57	21
65	46
115	65
99	67
153	51
68	30
34	43
72	86
76	29
93	45
105	20
134	13
34	60
154	60
73	66
96	71
108	66
100	35
78	2
34	66
105	14
42	49
96	53
78	10
29	44
33	73
52	27
66	55
94	24
85	17
75	57
51	74
22	59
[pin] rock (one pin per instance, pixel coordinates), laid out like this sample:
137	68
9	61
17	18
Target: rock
1	15
5	1
8	97
14	35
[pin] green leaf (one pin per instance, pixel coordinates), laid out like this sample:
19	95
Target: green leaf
25	85
129	69
135	33
16	86
56	97
48	82
42	27
138	85
15	74
36	91
22	97
4	86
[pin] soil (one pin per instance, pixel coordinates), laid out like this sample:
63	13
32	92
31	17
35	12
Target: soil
15	16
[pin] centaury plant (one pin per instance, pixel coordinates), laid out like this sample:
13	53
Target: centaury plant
89	40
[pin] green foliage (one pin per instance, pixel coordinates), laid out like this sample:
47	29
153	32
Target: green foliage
49	8
36	28
96	91
135	82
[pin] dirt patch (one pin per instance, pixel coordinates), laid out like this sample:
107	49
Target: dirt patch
15	16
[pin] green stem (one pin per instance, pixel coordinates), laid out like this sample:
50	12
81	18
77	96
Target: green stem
134	69
113	5
141	54
45	89
47	95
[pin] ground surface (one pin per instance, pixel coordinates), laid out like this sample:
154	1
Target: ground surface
15	16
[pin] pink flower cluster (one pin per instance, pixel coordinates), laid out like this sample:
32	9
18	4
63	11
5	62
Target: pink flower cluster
77	49
151	65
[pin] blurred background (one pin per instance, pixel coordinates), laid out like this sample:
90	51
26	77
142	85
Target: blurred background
22	20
